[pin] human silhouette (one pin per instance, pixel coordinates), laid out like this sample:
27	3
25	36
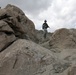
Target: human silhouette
44	27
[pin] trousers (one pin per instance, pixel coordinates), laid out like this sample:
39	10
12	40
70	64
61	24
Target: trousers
45	33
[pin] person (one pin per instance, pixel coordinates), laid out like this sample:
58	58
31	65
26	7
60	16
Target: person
44	27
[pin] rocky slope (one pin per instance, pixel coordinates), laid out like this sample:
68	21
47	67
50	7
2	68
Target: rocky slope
24	57
24	51
64	38
61	39
14	23
40	36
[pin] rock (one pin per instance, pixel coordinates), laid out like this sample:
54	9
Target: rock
16	10
17	20
68	55
2	14
4	27
25	57
15	25
40	36
63	39
72	71
60	67
5	40
6	35
20	23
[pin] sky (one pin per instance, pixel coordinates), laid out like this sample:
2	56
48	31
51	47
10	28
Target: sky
58	13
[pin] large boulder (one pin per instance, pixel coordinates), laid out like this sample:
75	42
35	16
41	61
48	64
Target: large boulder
65	64
63	39
25	57
68	55
16	19
6	35
22	22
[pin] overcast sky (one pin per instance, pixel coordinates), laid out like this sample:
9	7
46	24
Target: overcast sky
58	13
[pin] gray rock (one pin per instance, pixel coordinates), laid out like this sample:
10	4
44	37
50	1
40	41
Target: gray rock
6	35
59	67
63	39
72	71
4	27
6	40
20	23
24	57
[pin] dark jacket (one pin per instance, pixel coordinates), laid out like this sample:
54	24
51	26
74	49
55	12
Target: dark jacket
45	26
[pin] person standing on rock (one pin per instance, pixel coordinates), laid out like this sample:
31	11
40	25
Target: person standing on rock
44	27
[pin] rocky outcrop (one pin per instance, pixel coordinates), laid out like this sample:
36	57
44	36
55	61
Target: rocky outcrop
25	57
40	36
70	56
14	24
6	35
63	39
20	24
19	56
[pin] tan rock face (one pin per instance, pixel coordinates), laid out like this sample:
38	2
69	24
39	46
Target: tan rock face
5	40
20	23
14	23
24	58
72	71
6	35
63	38
4	27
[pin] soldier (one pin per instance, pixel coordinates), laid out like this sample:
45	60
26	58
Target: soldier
44	27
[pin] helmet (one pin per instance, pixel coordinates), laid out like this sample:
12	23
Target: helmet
45	20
